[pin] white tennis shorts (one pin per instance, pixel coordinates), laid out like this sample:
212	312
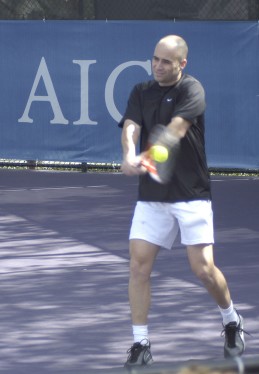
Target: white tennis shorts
159	223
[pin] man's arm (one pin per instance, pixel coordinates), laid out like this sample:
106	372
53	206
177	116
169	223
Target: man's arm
129	139
169	136
178	127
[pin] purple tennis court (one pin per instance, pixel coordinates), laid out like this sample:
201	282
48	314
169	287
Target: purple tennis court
64	274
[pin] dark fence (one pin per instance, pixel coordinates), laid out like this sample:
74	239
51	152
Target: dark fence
130	9
47	9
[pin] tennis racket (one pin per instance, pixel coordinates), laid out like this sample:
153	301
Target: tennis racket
161	170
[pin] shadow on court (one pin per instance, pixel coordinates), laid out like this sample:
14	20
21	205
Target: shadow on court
64	274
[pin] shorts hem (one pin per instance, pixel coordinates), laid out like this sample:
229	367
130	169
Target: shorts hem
150	240
197	242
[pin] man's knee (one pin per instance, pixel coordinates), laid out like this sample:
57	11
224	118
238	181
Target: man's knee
205	273
139	273
202	263
140	267
142	256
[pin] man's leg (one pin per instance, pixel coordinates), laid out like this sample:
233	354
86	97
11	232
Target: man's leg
142	257
202	264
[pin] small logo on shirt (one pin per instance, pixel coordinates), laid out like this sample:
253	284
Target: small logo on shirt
169	99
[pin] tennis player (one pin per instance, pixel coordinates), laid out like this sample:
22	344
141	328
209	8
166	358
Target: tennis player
176	100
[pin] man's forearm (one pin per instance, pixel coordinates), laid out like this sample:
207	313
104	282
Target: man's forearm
129	139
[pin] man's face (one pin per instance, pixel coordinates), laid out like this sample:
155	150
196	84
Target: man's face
166	66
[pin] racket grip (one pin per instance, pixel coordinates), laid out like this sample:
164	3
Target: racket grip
149	166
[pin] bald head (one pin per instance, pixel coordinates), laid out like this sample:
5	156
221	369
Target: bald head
176	45
169	60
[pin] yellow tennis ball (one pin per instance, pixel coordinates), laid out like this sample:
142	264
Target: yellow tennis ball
158	153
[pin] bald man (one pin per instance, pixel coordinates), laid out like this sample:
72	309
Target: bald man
177	101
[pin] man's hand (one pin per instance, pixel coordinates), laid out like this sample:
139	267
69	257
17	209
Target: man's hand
132	166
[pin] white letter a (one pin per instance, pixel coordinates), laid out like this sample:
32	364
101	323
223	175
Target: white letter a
51	96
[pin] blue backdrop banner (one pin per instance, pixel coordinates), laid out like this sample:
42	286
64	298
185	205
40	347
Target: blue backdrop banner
65	84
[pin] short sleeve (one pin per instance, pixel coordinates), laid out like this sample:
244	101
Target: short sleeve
133	109
191	101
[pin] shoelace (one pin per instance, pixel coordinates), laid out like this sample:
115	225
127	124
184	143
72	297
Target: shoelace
136	348
134	351
230	330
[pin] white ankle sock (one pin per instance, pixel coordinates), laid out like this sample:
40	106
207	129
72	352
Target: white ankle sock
229	315
140	332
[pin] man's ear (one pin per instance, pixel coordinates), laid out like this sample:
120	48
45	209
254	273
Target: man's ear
183	63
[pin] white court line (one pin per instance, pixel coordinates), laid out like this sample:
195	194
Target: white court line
50	188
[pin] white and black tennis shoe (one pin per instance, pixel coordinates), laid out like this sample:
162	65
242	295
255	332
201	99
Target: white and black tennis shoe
139	355
234	338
